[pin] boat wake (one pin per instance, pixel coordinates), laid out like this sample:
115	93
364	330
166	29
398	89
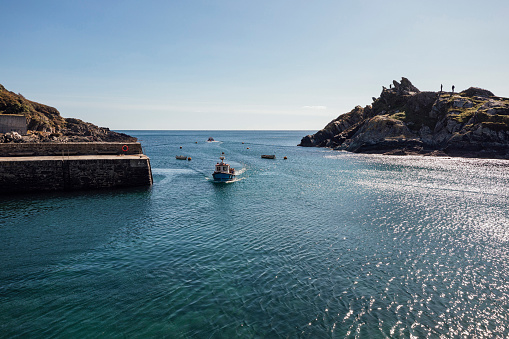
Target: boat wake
239	172
164	175
211	179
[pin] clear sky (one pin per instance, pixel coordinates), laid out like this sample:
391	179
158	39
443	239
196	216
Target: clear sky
238	64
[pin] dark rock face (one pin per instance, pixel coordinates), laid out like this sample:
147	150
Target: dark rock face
476	91
45	124
404	120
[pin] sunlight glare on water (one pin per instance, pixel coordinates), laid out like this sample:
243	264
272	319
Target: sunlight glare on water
323	244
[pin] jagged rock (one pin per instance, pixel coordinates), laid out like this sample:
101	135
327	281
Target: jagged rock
407	85
377	129
462	103
12	137
45	124
453	126
476	91
335	128
404	120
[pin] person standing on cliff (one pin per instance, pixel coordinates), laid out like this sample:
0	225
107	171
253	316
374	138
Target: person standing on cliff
453	88
441	87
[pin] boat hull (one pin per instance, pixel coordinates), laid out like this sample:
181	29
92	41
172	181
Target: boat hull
223	177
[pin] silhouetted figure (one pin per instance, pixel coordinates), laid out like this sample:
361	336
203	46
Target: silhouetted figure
453	88
441	87
390	86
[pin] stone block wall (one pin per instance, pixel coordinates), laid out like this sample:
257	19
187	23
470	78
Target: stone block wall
78	173
13	123
69	148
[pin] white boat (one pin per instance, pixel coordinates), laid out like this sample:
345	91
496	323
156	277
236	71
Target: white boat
223	171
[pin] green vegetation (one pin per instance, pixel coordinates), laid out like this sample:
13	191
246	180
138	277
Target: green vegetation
414	120
39	117
463	115
399	116
485	118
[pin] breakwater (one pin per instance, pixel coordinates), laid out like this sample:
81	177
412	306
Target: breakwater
69	148
72	166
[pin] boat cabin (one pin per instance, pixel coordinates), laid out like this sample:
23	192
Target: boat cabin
222	167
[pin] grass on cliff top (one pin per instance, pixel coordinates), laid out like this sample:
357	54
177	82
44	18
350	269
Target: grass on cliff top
463	115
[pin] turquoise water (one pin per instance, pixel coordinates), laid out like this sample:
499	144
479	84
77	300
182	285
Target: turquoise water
325	244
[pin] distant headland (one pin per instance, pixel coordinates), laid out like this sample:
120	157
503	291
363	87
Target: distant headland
405	121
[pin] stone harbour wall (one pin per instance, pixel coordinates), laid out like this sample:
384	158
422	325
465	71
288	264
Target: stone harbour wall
69	148
27	174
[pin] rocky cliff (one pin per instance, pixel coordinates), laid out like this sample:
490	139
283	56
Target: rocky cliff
404	120
45	124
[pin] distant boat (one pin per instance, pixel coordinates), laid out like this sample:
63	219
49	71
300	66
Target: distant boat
181	157
210	139
268	156
223	171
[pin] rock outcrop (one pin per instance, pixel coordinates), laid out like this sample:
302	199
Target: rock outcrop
404	120
45	124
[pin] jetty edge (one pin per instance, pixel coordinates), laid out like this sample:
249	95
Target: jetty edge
42	151
72	166
405	121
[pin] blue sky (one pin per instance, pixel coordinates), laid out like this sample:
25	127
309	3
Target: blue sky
234	64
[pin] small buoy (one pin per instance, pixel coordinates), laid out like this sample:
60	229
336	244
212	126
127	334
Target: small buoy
242	142
196	142
222	152
180	147
248	148
285	158
189	159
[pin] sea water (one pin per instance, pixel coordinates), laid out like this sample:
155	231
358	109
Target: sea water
324	244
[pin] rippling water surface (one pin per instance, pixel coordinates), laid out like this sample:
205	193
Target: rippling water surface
324	244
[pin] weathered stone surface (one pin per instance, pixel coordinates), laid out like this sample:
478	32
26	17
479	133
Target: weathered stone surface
462	103
63	154
405	120
45	124
13	123
476	91
28	174
70	148
378	129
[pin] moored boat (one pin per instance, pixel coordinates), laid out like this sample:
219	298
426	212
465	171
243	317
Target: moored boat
180	157
223	171
268	156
